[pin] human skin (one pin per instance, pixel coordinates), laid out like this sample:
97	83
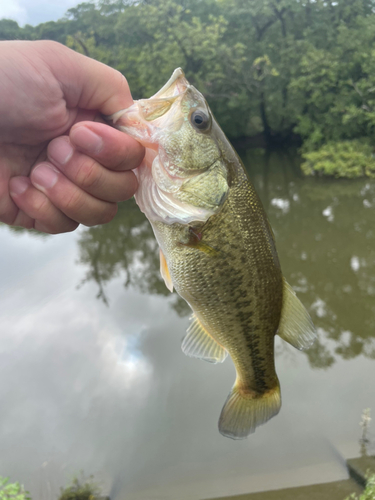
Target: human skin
59	166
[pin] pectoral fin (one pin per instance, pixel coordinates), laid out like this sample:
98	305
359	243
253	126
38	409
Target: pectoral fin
295	325
202	247
198	343
195	241
164	271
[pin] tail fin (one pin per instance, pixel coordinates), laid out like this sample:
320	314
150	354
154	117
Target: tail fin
243	412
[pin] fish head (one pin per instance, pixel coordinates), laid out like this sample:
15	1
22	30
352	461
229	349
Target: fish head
177	125
178	121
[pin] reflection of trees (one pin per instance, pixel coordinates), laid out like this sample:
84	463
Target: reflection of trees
325	236
21	230
325	239
319	356
126	245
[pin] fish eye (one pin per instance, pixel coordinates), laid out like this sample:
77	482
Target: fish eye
200	120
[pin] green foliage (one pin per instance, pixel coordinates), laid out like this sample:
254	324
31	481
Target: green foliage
271	67
12	491
369	493
9	30
341	159
337	85
80	489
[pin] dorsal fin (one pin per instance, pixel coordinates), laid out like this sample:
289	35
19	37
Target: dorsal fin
164	271
295	325
198	343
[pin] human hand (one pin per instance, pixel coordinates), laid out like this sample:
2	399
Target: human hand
58	167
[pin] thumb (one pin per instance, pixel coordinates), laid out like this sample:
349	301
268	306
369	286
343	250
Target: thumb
85	82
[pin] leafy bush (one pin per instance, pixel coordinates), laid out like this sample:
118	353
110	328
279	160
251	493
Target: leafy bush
80	489
12	491
278	67
369	493
341	159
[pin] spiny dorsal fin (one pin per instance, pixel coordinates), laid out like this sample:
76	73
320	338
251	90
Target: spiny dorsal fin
243	412
198	343
164	271
295	325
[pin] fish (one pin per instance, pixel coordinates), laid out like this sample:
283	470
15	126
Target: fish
217	248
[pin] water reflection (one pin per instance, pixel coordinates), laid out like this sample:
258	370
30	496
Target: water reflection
128	246
325	237
107	388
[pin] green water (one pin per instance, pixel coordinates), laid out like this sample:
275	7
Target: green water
325	232
92	376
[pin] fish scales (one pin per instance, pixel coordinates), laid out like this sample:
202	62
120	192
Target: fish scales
217	248
244	279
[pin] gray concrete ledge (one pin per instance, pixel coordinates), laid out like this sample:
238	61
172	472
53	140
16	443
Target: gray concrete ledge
358	468
337	490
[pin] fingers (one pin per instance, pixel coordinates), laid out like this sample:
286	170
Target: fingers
106	146
81	181
70	199
36	210
8	210
51	203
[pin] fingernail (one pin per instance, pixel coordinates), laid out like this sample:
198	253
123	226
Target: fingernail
44	177
86	139
18	185
60	151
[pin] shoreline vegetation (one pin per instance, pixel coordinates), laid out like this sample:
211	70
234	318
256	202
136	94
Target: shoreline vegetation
274	72
80	488
363	486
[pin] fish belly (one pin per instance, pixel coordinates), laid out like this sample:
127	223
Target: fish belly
235	292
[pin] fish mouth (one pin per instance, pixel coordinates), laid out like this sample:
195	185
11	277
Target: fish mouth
147	116
176	85
160	103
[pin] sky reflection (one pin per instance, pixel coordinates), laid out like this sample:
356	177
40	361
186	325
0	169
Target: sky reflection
102	385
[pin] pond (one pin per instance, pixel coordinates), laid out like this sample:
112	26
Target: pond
92	376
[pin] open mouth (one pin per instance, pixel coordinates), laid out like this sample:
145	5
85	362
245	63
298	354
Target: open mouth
147	118
176	85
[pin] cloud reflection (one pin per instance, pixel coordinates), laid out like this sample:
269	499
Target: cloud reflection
106	388
314	257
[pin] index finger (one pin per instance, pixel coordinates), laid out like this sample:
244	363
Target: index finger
110	147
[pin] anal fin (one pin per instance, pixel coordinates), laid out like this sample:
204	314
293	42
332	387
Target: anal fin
198	343
296	326
164	271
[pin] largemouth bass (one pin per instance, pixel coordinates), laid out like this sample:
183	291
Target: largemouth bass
216	248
